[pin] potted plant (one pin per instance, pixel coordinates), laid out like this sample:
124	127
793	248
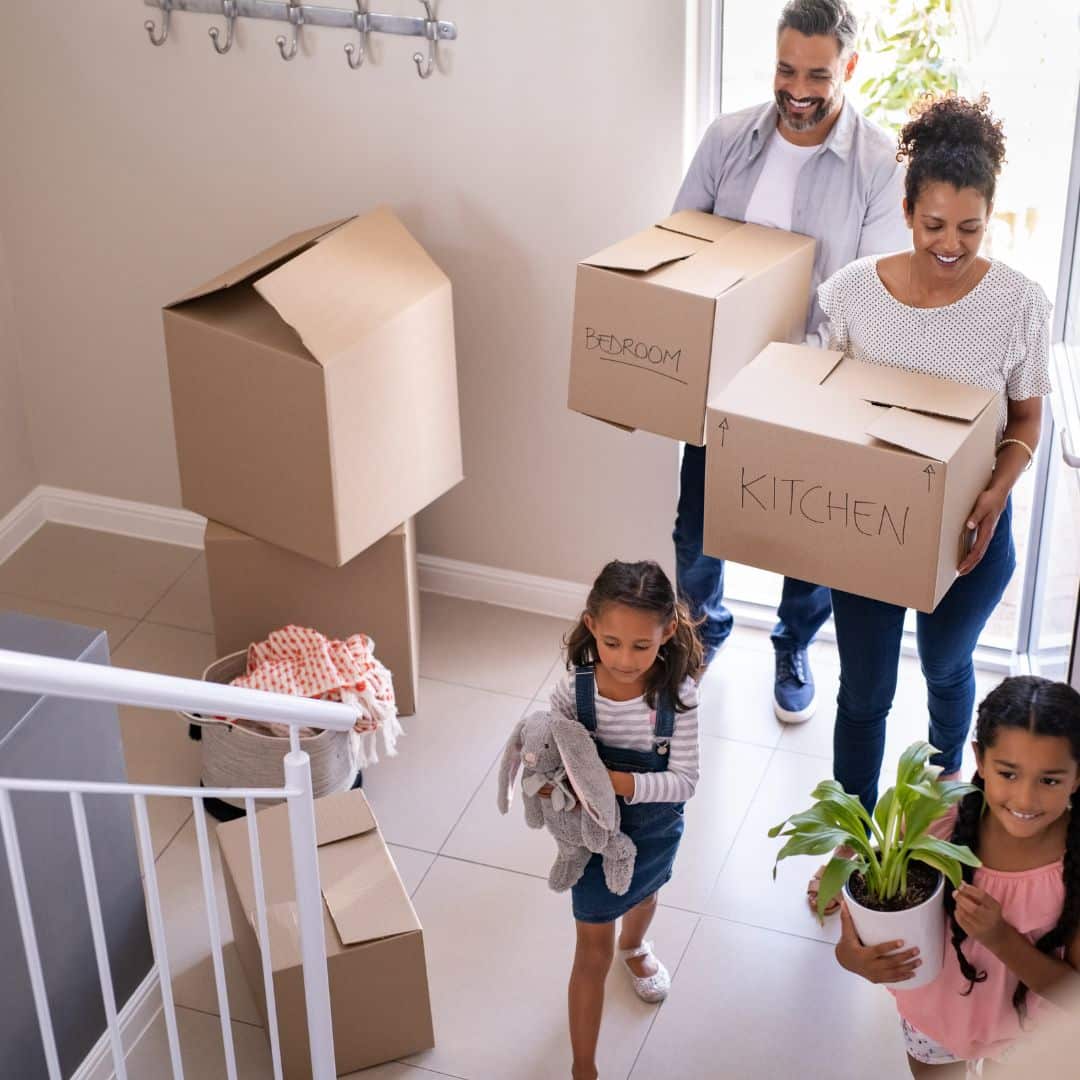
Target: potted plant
894	879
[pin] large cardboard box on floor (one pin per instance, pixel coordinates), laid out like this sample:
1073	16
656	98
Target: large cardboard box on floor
374	941
852	475
314	389
664	319
256	587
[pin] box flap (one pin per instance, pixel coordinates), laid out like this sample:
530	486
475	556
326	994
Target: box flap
364	895
339	816
707	274
356	280
645	251
282	249
884	385
931	436
699	224
803	363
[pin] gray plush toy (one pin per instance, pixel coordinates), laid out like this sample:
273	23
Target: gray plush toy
559	751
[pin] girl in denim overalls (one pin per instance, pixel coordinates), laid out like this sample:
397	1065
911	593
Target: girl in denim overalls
632	660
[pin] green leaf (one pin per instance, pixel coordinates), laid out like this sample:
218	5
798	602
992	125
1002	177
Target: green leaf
816	843
833	880
884	807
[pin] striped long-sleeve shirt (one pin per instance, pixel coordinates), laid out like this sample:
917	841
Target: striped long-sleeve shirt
629	725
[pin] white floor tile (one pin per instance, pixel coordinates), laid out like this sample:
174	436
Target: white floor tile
753	1004
187	603
745	890
412	865
499	949
187	931
201	1049
451	742
489	647
737	695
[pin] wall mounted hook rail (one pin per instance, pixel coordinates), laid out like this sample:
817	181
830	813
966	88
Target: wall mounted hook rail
362	22
166	7
228	9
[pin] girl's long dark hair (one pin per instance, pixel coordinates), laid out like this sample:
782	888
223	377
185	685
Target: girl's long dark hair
642	585
1043	708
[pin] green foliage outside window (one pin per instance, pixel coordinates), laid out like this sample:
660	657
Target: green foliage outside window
908	37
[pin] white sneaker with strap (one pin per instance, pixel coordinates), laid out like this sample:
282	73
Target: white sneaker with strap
651	988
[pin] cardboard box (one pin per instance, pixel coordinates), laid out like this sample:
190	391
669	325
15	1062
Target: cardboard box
852	475
374	941
314	389
256	587
665	319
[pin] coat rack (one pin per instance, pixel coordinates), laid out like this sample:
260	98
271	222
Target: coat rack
300	15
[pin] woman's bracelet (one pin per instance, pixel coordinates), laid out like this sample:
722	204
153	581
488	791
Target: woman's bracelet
1017	442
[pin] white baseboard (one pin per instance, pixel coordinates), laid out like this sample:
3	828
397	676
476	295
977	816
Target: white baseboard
138	1013
507	588
20	523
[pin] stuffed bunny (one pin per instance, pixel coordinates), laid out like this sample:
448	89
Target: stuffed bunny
559	751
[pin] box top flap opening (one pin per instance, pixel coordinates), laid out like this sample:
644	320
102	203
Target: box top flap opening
912	390
356	279
644	251
929	436
801	363
698	224
249	267
340	816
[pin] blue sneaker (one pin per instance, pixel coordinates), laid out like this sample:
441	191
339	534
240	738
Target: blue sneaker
794	698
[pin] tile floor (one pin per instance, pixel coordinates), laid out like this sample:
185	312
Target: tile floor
756	993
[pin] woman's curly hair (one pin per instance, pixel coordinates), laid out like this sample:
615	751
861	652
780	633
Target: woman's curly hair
953	140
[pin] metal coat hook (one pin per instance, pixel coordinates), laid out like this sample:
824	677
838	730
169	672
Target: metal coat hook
363	24
431	32
296	17
228	9
166	8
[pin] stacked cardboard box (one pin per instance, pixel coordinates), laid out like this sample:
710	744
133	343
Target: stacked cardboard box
314	393
374	941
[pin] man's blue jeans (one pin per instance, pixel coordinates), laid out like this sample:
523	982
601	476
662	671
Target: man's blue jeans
868	635
700	578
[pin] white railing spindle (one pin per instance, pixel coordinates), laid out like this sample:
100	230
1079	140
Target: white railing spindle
264	937
29	937
157	934
305	853
210	897
97	929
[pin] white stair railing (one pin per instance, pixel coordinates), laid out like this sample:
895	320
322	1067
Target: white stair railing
30	673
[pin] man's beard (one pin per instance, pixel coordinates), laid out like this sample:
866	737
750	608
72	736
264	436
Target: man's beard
806	121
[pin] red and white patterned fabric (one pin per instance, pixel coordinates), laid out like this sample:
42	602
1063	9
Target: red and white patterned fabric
300	661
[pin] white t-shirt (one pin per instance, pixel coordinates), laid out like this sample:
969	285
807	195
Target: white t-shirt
996	336
774	193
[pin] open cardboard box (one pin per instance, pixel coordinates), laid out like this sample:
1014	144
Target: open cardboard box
853	475
374	941
314	389
664	319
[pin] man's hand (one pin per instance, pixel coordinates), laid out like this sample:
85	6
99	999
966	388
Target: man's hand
876	963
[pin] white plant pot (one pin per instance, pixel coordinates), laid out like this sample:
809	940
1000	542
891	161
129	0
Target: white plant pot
921	928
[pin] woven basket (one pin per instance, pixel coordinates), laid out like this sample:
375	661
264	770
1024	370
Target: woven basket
236	757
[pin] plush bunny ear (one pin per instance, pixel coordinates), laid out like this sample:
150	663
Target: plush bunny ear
586	771
508	767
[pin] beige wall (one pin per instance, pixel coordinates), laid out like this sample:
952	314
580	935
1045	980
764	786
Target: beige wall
137	172
17	472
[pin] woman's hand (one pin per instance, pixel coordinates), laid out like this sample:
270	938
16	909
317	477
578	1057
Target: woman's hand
623	783
983	518
979	916
876	963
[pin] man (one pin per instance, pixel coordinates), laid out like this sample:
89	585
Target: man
809	163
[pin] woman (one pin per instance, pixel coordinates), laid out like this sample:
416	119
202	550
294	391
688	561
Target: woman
945	310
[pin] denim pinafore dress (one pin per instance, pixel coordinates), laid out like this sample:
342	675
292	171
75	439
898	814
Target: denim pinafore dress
656	828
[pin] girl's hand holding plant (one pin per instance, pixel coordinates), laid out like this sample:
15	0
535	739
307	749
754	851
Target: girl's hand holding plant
875	963
979	916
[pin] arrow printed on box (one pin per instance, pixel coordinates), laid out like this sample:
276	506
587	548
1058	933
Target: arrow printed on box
930	472
722	428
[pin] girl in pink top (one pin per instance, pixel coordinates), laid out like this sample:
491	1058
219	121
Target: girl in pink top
1014	922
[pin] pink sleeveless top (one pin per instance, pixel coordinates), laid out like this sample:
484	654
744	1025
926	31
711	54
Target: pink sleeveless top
984	1023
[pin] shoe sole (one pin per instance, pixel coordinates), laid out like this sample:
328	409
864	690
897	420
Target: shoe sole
787	716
